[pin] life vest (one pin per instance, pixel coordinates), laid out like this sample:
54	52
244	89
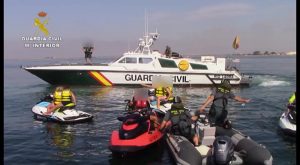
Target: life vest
224	99
160	91
223	90
181	123
292	99
63	96
175	111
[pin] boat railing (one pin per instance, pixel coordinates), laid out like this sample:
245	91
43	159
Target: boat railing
67	64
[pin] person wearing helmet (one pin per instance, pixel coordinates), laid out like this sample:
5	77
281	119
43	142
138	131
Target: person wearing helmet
219	98
180	120
159	94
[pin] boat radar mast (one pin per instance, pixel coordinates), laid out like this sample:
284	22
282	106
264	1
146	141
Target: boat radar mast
146	42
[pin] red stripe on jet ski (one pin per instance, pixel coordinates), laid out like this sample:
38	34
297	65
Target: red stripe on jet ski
129	127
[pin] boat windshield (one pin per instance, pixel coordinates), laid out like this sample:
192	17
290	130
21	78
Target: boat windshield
128	60
117	59
145	60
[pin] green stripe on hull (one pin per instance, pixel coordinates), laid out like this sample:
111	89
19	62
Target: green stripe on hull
62	77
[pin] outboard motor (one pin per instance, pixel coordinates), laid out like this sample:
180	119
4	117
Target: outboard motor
223	150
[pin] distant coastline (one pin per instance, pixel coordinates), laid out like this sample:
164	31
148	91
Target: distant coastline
267	53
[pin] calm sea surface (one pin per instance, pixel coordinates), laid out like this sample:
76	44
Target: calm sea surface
28	142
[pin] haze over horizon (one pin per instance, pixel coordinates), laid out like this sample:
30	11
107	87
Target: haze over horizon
189	28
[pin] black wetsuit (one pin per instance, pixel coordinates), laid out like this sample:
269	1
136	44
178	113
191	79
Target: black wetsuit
88	52
218	110
181	120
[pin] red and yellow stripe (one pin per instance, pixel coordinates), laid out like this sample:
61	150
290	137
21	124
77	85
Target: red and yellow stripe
98	76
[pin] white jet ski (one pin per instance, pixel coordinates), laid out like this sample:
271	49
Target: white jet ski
287	122
61	115
163	107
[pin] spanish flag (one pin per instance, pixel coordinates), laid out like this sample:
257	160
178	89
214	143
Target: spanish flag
236	42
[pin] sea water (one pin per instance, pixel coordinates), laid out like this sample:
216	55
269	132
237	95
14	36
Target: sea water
27	141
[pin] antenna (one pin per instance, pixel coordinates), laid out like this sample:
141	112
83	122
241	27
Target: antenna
128	45
146	23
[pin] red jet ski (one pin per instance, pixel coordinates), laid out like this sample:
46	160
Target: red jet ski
136	132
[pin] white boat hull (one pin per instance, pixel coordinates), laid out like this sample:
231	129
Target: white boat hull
74	76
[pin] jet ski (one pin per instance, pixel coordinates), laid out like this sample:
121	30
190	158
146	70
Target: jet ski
287	121
218	146
164	105
61	115
136	132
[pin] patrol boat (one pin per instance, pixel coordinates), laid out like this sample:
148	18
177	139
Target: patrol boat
139	66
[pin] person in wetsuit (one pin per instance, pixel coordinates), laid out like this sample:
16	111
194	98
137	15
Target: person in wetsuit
219	98
88	51
181	121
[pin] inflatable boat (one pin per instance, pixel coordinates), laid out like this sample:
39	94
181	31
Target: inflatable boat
61	115
218	146
287	122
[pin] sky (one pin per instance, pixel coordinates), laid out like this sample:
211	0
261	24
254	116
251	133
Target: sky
191	28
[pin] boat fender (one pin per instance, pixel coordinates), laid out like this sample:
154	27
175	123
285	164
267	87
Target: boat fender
189	153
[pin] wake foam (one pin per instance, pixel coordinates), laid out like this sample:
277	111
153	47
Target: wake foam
274	83
269	80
